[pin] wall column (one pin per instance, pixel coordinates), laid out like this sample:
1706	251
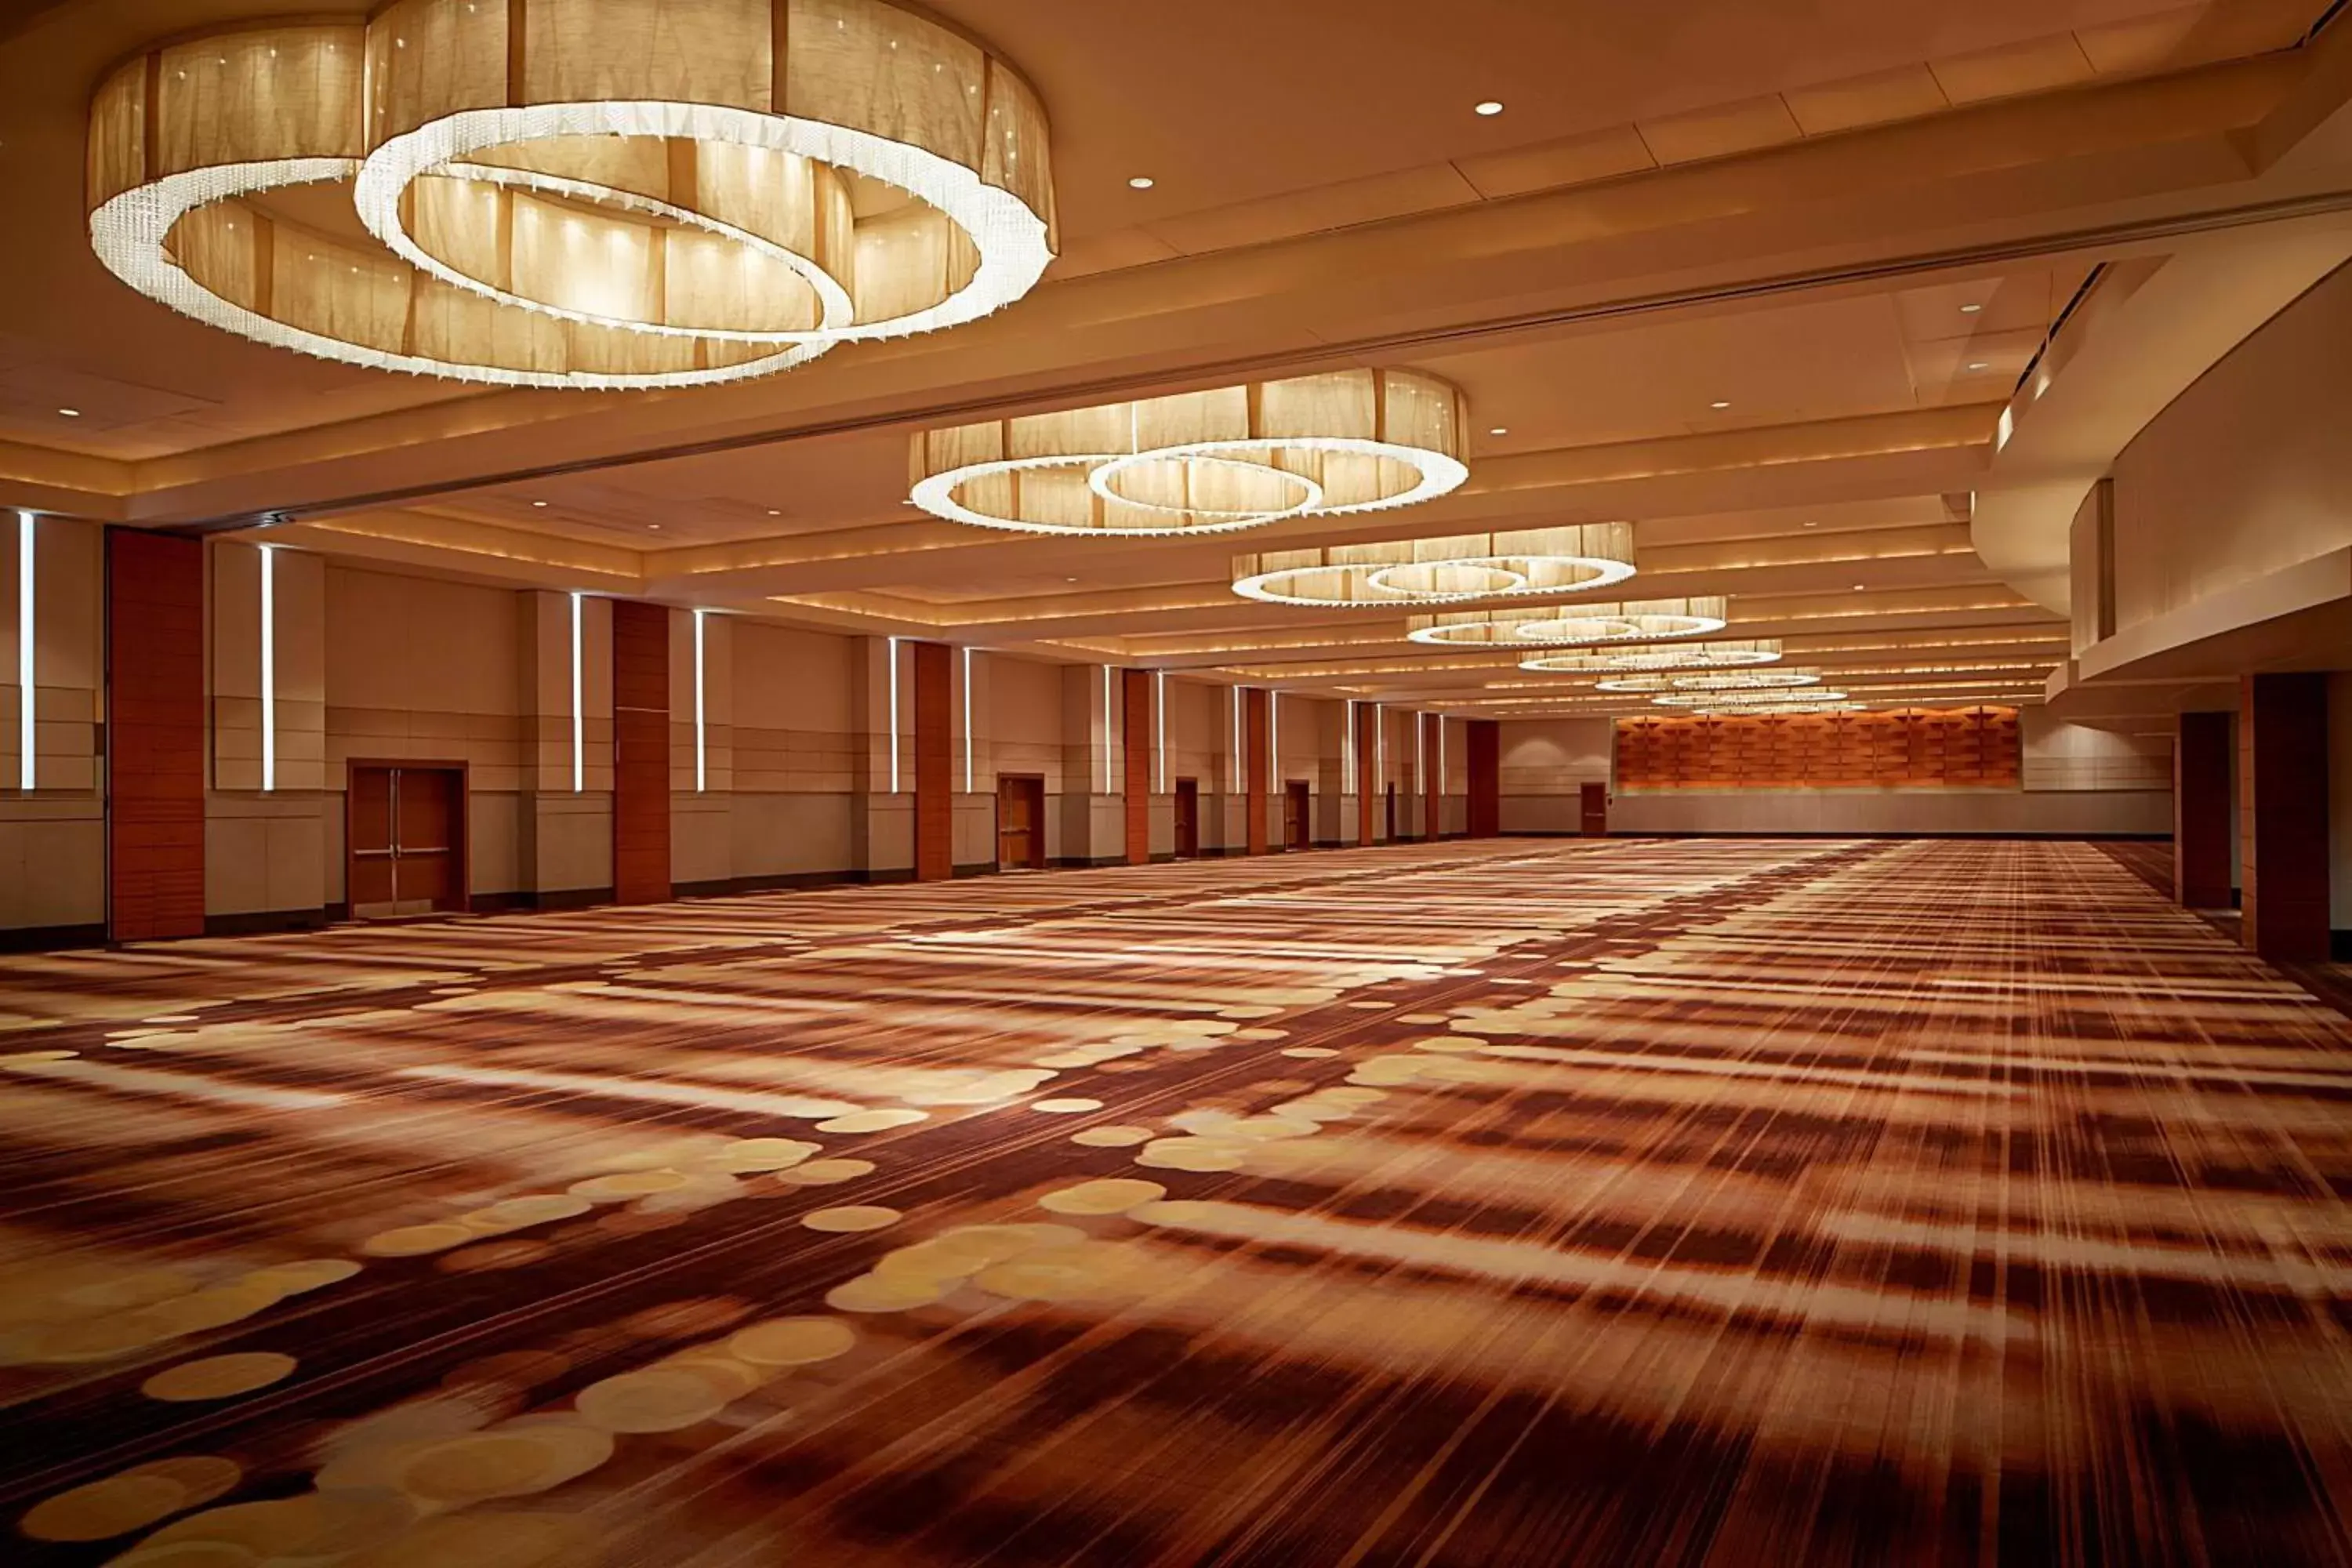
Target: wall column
1430	732
1486	748
1257	767
1367	783
2201	812
1137	733
641	752
2282	813
934	770
155	735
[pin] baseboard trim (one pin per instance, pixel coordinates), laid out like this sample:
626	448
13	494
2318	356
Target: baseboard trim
551	901
267	922
44	939
2339	947
1827	833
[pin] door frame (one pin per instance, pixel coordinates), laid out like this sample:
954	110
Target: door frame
1037	858
465	845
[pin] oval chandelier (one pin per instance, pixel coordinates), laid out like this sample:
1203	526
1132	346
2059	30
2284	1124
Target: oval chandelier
1713	654
1579	558
596	193
1763	678
1792	707
1749	701
1577	626
1201	462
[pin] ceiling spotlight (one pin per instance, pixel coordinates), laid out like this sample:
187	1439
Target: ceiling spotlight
1069	579
71	413
1980	364
1491	108
538	503
654	526
1720	402
1812	525
1501	430
1857	587
1971	310
1141	182
773	513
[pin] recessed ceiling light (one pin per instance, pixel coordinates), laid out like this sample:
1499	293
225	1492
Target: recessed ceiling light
538	503
654	526
71	413
1720	402
1501	430
1812	525
1857	587
1971	310
1069	579
1141	182
1980	364
1491	108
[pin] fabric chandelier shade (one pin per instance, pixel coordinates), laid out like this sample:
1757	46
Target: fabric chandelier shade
1718	654
1764	679
1748	701
1573	625
1201	462
1578	558
576	193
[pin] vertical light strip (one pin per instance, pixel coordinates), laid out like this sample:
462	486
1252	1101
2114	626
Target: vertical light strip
893	715
1274	736
268	667
1379	751
1419	756
27	767
1106	746
1348	784
579	722
702	730
1159	729
967	722
1238	771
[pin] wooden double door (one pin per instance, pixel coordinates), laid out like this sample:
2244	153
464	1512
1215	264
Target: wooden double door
1297	814
1021	823
405	826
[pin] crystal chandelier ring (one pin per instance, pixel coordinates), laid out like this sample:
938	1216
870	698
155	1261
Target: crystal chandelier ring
1295	585
940	494
1103	479
1775	681
1010	240
1528	574
1641	621
1432	473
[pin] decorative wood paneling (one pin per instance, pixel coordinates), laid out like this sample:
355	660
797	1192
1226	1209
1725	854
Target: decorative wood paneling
154	735
1258	765
1136	735
1432	769
2283	814
1485	760
1972	748
2201	824
641	850
934	757
1366	781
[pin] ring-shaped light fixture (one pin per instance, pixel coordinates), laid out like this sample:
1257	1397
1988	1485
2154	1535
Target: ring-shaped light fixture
1580	558
1717	655
1205	462
770	176
1761	679
1789	707
1585	625
1744	703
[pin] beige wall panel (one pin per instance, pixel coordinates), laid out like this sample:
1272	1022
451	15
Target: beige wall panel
2245	472
265	853
702	838
52	863
494	851
790	679
1025	703
407	643
569	847
2062	756
776	834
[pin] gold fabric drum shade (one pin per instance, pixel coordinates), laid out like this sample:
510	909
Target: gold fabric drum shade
581	193
1644	621
1769	680
1201	462
1582	557
1716	653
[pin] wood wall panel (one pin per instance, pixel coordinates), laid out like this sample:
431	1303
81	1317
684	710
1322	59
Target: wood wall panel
1485	761
1431	732
1137	734
1971	747
640	825
2201	824
2283	816
934	759
1366	782
1258	764
154	735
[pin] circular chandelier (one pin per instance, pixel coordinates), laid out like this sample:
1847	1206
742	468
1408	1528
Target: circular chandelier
1748	701
1201	462
1762	678
1579	558
1583	624
576	193
1787	707
1715	654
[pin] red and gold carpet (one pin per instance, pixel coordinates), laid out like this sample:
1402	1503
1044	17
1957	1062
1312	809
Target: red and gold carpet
1725	1202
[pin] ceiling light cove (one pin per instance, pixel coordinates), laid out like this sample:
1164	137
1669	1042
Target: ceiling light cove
614	213
1201	462
1579	625
1575	559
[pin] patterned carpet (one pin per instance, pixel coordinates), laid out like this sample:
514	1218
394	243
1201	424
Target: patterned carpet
1726	1202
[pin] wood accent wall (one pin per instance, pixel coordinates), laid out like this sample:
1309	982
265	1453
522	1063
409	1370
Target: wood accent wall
2201	824
1136	735
1258	767
1914	748
641	859
934	762
1366	781
1485	760
1430	731
2283	816
154	735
